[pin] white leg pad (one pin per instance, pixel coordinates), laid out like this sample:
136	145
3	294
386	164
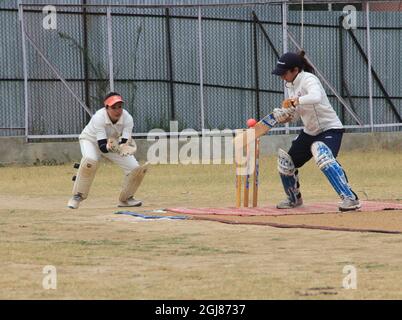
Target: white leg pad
287	172
332	169
85	176
132	181
285	163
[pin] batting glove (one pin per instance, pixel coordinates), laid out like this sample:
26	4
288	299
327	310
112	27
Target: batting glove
288	103
126	149
112	145
283	115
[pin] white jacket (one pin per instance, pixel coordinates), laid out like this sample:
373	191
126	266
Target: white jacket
101	127
314	107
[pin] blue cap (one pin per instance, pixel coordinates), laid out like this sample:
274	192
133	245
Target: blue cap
287	62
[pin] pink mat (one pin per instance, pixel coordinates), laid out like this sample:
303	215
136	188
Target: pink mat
309	208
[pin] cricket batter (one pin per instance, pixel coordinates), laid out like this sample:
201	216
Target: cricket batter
108	134
320	138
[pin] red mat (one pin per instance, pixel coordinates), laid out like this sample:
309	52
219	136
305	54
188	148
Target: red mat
309	208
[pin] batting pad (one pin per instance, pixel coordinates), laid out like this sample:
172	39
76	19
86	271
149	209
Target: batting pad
85	177
132	182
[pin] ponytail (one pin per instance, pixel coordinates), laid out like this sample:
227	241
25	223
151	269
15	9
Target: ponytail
306	65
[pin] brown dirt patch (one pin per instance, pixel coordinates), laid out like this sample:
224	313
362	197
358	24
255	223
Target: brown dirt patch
383	221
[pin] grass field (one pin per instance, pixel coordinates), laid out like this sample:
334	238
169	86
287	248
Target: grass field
100	255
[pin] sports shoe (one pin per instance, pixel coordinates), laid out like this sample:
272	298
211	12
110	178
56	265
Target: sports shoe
288	204
130	202
74	202
349	204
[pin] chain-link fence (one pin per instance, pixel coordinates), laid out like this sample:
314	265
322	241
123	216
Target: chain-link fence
205	66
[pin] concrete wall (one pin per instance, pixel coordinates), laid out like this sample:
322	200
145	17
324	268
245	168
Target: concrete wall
14	150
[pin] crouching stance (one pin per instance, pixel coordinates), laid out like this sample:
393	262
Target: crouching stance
331	168
320	137
108	134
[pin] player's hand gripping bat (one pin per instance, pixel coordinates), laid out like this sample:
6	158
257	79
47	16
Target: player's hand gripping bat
260	128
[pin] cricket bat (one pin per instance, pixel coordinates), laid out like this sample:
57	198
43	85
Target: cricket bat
260	128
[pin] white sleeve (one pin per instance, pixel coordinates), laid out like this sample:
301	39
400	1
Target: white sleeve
128	127
314	91
99	127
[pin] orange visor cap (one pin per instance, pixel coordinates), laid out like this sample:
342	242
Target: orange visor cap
113	100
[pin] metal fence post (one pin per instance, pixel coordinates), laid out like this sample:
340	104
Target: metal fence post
256	73
85	56
172	112
285	46
25	69
201	69
370	75
110	47
341	68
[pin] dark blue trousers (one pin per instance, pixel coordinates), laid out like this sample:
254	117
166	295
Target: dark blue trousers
300	151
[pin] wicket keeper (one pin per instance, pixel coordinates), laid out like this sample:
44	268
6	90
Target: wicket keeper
108	134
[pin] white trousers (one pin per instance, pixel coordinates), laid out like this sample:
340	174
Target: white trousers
91	150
